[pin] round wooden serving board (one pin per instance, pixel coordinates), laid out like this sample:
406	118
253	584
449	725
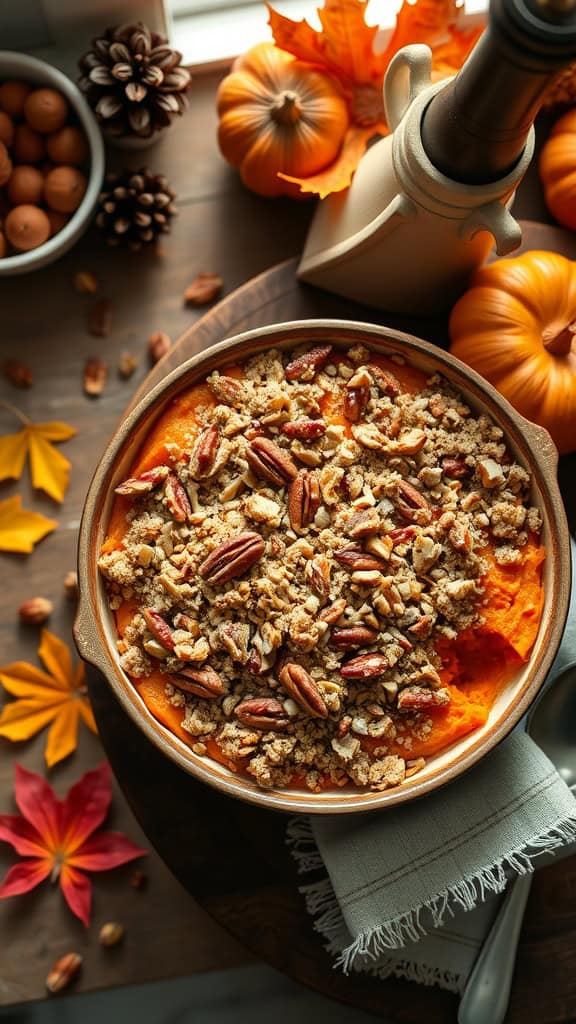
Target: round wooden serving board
232	856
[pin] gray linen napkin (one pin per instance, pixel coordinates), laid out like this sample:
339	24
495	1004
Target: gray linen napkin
413	892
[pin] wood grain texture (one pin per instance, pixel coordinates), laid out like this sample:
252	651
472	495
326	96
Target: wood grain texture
236	868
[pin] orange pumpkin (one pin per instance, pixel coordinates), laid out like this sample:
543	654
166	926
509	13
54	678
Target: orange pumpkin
279	114
516	326
558	170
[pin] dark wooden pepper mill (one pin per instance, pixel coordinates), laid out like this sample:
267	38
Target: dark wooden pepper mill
475	129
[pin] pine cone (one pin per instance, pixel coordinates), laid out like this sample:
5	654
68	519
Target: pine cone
133	81
135	208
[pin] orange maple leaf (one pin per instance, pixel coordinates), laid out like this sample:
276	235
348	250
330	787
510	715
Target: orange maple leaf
344	48
57	697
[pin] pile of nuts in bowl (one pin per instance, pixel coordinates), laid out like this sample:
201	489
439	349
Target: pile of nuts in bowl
43	165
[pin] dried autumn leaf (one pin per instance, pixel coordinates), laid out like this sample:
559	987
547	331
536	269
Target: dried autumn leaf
21	529
57	697
344	48
60	838
49	470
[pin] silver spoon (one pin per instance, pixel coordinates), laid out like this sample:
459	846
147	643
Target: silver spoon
552	725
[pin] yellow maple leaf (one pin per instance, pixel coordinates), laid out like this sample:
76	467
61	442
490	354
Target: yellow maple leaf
49	470
57	697
21	529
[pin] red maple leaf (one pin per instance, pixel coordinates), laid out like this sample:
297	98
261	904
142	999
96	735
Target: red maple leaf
57	837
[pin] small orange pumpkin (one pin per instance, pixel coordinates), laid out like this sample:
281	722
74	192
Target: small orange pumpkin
558	170
279	114
516	326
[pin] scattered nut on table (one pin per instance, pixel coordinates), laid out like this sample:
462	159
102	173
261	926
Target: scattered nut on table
35	611
158	345
71	585
111	933
64	971
19	374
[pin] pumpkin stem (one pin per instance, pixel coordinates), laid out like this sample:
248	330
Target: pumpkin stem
561	343
286	108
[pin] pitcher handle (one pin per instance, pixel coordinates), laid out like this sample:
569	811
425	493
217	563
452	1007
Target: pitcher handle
408	74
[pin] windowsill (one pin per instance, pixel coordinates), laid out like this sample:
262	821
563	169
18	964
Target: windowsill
211	39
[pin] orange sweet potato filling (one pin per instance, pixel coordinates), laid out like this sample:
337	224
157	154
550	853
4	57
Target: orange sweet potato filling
477	665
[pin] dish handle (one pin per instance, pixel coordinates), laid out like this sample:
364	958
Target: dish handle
85	632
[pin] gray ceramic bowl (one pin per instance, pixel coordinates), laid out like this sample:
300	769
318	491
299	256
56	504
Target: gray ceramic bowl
38	72
95	630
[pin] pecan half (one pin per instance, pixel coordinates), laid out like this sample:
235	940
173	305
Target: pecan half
177	500
159	343
304	430
303	689
361	524
412	504
262	713
304	499
333	612
305	367
355	402
232	558
356	560
63	972
201	682
204	451
353	636
269	462
418	698
19	374
366	666
159	628
95	374
143	483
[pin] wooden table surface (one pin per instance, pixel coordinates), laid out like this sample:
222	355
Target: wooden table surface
223	228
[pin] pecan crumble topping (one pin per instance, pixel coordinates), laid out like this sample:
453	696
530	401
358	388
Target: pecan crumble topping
293	566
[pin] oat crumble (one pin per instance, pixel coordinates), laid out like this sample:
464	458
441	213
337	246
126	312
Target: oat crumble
294	564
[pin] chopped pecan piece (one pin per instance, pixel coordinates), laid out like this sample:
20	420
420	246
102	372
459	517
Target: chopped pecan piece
419	698
232	558
386	381
353	636
304	430
269	462
363	523
204	451
305	367
401	534
366	666
355	402
304	499
226	389
262	713
159	628
356	560
303	689
177	500
456	469
143	483
333	612
201	682
317	571
412	504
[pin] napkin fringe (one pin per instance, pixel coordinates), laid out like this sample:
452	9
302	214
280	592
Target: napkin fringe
394	933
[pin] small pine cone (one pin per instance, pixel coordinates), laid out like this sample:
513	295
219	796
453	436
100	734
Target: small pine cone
135	208
133	81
